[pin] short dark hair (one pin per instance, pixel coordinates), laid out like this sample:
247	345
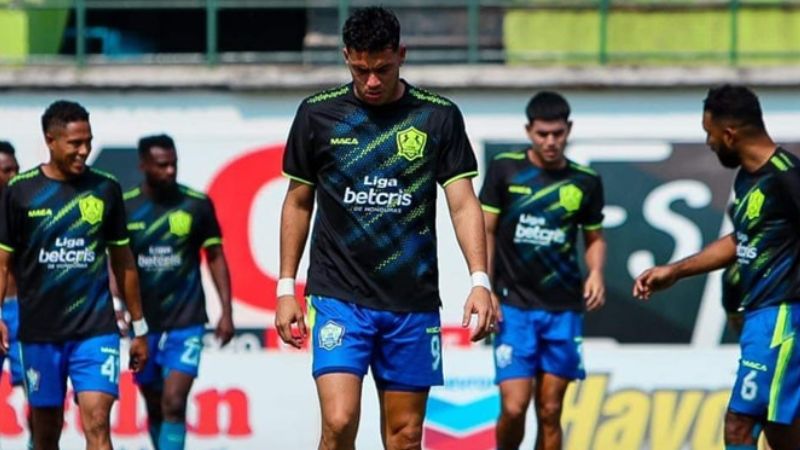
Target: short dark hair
547	105
156	140
371	29
735	103
62	112
7	148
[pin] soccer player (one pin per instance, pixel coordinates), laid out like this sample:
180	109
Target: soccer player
169	225
59	220
8	170
536	202
766	245
372	151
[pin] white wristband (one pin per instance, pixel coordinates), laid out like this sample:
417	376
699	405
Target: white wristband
285	287
139	327
481	279
119	305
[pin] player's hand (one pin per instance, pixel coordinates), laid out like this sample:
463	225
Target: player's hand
594	291
138	354
224	331
123	322
290	314
654	279
4	343
479	302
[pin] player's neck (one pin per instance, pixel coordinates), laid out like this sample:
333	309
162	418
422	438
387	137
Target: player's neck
756	154
159	192
534	159
52	172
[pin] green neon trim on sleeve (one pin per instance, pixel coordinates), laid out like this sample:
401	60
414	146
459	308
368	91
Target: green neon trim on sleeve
6	248
593	227
779	164
458	177
212	241
133	193
298	179
119	243
490	209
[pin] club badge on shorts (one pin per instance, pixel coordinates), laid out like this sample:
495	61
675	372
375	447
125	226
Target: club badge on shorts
330	335
502	355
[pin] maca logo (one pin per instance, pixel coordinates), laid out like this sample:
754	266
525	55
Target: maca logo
41	212
344	141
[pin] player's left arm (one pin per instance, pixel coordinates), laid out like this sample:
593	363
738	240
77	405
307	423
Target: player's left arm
218	266
467	217
594	289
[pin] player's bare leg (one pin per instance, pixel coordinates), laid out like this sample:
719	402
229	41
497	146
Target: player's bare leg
515	397
402	415
173	407
95	408
340	404
783	437
739	429
152	400
48	423
549	391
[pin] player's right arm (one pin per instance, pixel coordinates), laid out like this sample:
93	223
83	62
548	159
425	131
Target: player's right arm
9	233
490	220
295	221
718	254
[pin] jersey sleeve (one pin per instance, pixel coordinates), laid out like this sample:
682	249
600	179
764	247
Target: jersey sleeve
298	159
491	195
456	159
592	215
115	229
210	232
9	221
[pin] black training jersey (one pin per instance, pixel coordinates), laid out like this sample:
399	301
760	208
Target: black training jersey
766	222
375	170
540	212
167	234
58	232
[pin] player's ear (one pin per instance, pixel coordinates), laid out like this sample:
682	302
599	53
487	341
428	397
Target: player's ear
569	128
345	55
729	136
401	52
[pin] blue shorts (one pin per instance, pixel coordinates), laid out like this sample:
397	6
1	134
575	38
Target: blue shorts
530	341
177	349
768	380
92	364
11	319
404	350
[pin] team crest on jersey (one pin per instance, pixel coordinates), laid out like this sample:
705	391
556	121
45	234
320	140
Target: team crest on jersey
33	379
570	197
754	203
411	143
91	209
330	335
180	223
502	355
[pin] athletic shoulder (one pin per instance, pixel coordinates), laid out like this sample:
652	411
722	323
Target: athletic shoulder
102	174
132	193
584	171
24	176
431	98
325	97
192	193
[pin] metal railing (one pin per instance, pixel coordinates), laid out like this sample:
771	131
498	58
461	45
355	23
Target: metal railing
471	52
